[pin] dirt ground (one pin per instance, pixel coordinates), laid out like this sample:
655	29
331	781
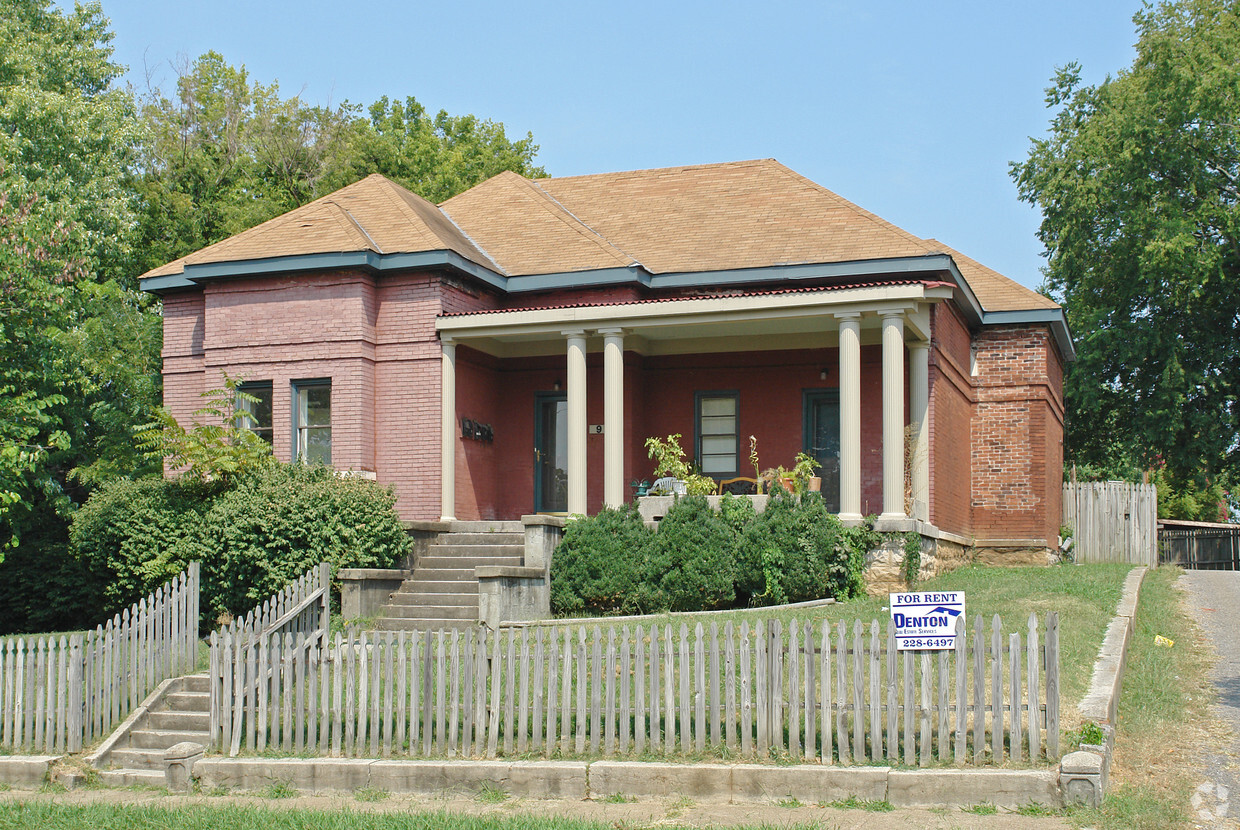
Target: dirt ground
643	813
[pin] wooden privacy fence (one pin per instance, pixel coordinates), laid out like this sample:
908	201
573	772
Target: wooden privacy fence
812	692
1112	521
59	693
300	613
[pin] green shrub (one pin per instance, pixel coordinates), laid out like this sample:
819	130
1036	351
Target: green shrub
131	536
692	558
796	550
598	566
280	521
252	536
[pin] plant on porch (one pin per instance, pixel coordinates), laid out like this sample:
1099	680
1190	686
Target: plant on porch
672	462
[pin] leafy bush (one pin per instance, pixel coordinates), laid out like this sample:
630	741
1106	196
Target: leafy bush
692	558
252	536
599	565
701	559
797	550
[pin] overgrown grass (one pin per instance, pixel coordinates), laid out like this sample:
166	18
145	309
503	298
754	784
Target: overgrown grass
1163	717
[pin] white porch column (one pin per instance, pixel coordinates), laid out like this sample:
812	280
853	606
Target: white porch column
893	416
447	432
850	417
576	421
919	403
613	417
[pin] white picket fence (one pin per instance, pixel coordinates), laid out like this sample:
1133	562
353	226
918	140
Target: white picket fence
813	692
59	693
300	613
1112	521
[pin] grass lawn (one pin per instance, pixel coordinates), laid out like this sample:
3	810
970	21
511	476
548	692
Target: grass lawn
52	816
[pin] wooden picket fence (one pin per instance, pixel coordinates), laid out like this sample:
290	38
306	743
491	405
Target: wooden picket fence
810	693
1112	521
60	693
300	613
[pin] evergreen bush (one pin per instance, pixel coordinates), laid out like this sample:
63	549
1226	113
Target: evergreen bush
692	558
598	566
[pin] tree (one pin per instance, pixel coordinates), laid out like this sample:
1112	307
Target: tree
227	153
76	344
1138	182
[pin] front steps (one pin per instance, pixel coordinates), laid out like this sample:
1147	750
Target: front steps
442	592
182	714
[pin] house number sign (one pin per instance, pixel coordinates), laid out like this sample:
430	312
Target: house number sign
927	620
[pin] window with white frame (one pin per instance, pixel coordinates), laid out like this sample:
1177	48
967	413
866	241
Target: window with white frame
312	421
717	435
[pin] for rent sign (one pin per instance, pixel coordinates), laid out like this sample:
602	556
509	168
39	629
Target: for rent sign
926	620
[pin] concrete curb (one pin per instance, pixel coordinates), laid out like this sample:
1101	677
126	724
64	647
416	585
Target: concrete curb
726	783
26	772
1083	774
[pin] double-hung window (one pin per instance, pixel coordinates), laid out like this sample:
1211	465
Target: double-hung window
717	435
312	421
255	407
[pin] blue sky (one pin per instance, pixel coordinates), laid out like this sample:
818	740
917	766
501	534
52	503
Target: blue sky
910	109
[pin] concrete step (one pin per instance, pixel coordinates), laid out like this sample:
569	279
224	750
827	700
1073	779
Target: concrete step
435	598
435	586
164	738
480	539
400	624
486	527
196	683
466	551
463	563
423	612
188	701
179	721
133	758
130	777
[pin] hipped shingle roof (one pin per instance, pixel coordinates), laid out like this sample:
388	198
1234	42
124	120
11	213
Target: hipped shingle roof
715	217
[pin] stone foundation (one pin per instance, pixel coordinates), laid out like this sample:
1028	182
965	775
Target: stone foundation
944	552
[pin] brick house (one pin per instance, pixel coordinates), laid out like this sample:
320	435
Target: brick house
508	351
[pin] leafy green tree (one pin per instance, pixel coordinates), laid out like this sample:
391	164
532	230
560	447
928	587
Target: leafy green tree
226	153
1138	182
67	132
80	346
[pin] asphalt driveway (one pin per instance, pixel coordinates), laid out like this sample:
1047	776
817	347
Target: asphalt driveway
1214	597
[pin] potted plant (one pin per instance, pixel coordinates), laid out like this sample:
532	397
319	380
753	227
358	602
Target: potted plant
670	462
803	473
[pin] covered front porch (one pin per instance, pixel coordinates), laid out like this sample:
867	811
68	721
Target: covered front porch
840	372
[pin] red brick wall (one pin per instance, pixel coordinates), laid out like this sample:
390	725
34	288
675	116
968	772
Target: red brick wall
183	370
1000	432
951	413
1017	449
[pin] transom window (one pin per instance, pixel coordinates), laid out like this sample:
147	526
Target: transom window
717	435
256	407
312	421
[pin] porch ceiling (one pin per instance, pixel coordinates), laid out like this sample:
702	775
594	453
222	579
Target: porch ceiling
701	325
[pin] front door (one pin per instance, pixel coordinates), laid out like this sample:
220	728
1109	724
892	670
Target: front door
821	439
550	453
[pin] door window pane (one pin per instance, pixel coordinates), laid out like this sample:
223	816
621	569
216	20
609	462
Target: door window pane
822	440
